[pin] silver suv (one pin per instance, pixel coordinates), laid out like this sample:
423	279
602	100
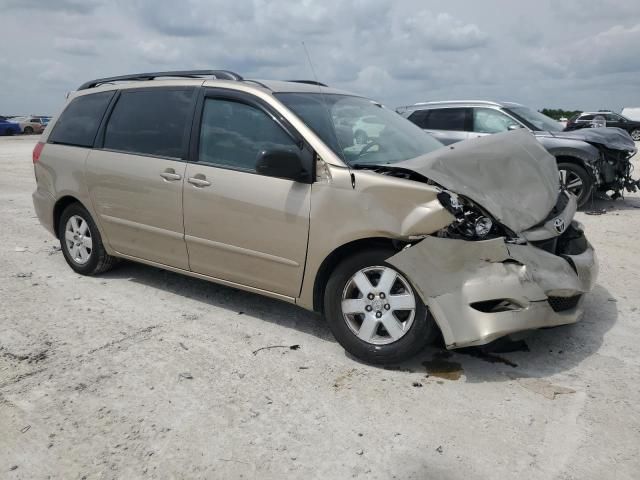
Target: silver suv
263	186
589	160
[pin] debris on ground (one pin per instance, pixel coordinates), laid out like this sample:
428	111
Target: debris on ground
186	376
20	249
417	384
544	387
360	452
183	345
440	449
24	275
290	347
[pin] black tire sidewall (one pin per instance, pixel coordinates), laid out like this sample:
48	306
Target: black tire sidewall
91	266
587	181
421	332
636	131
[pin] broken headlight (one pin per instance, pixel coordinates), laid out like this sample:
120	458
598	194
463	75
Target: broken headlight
471	222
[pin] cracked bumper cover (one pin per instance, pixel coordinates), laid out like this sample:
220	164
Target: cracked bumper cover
452	275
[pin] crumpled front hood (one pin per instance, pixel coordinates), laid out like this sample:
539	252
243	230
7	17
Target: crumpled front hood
509	174
609	137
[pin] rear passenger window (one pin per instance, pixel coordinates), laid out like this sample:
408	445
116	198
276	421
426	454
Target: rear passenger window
234	133
79	122
419	117
152	122
446	119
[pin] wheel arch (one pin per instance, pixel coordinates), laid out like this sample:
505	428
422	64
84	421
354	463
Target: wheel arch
59	207
581	162
336	256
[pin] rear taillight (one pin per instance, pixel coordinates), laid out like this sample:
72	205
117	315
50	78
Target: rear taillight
37	150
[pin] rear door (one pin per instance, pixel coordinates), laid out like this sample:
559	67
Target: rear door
449	125
241	226
135	176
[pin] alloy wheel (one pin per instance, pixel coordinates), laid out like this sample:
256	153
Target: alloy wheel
378	305
571	181
77	237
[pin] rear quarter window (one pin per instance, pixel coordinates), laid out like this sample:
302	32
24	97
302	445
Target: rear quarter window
79	122
446	119
155	121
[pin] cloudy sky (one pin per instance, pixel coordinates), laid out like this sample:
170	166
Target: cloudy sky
565	54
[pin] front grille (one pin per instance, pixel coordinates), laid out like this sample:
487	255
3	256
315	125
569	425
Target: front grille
571	242
560	304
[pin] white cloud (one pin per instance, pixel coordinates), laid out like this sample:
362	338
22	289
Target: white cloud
396	51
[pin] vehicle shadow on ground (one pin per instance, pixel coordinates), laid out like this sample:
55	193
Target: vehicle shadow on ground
598	206
541	353
228	298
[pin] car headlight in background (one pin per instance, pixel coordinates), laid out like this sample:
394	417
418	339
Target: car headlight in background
471	222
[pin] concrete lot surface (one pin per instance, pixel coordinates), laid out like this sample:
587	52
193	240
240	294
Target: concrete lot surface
142	373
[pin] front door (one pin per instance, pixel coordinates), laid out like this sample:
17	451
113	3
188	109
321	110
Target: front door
487	121
241	226
136	175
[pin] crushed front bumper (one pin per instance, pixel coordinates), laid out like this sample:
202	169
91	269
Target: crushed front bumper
481	291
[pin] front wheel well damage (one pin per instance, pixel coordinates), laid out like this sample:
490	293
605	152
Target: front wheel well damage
339	254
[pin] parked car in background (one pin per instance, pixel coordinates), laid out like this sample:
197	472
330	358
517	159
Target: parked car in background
589	160
632	113
8	127
249	184
29	125
587	120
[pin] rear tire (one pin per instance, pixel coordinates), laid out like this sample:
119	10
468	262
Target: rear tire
394	332
635	134
577	180
28	130
81	242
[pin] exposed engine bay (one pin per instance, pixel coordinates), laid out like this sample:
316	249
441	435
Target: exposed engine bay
615	171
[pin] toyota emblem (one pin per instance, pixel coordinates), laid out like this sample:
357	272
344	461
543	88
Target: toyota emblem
558	224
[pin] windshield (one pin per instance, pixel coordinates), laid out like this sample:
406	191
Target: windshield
358	130
535	120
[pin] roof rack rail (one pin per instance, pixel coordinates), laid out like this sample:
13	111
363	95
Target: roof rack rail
309	82
217	74
257	82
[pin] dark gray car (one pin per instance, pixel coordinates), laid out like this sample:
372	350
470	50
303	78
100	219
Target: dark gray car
589	160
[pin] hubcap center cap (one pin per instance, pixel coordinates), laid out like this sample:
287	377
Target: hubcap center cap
377	304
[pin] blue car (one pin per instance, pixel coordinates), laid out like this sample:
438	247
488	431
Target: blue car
8	128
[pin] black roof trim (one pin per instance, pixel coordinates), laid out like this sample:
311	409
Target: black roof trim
309	82
217	74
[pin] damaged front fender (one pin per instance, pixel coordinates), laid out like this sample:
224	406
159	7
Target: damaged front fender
480	291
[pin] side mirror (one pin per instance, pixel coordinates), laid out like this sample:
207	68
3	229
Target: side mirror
282	164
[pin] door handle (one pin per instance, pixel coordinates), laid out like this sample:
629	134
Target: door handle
199	181
170	175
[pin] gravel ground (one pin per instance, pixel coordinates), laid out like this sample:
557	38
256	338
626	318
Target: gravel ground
142	373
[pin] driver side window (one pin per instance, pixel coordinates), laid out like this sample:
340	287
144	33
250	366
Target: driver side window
233	134
488	120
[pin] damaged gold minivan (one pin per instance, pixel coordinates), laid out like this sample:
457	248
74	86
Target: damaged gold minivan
317	197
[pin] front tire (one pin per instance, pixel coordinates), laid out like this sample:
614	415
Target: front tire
373	310
577	180
28	130
81	242
635	134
